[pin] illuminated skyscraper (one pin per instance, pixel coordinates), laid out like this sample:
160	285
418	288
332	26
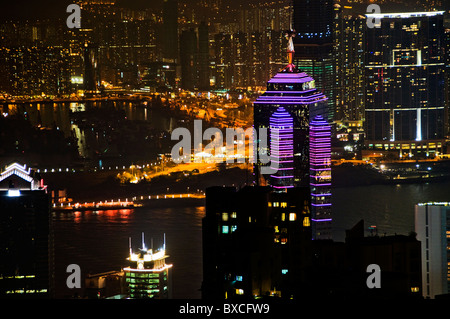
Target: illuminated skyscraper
405	70
26	250
296	92
282	149
432	225
349	64
223	67
148	275
320	176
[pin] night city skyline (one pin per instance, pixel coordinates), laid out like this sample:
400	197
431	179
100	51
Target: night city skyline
255	153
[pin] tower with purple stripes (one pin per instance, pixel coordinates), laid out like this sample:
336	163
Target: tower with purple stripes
293	110
282	149
296	93
320	177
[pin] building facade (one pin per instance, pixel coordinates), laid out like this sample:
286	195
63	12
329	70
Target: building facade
254	242
405	97
432	225
349	65
282	149
320	177
313	22
148	276
296	92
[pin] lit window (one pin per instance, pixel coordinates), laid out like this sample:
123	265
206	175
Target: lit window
239	291
283	217
224	217
276	204
238	278
13	193
224	229
284	271
283	204
233	215
306	222
414	289
292	216
233	228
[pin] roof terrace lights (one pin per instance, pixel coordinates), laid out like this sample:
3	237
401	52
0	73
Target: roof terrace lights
13	193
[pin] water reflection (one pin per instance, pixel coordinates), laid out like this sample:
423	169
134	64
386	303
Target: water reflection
98	242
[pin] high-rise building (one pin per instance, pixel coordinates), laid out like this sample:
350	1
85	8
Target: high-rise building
255	242
432	225
240	65
296	92
148	275
405	70
91	78
170	25
188	59
34	71
257	56
447	79
320	176
282	149
313	26
223	72
349	65
26	242
203	57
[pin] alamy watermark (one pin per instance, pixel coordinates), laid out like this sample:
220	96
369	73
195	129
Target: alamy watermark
373	22
240	145
74	19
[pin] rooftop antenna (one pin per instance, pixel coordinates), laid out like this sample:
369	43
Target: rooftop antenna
290	47
164	243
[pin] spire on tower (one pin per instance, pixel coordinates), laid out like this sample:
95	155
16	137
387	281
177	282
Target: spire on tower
290	50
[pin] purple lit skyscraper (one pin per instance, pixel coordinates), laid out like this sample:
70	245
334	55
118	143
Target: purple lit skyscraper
320	177
296	93
282	149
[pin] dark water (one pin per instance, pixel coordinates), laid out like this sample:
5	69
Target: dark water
98	241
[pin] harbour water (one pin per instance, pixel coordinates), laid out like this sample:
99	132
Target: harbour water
98	241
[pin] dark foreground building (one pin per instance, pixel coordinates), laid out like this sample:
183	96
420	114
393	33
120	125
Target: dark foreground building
26	256
257	244
252	241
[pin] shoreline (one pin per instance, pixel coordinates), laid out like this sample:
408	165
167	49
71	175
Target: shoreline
103	186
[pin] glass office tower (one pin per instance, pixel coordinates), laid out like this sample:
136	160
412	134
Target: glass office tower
405	99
